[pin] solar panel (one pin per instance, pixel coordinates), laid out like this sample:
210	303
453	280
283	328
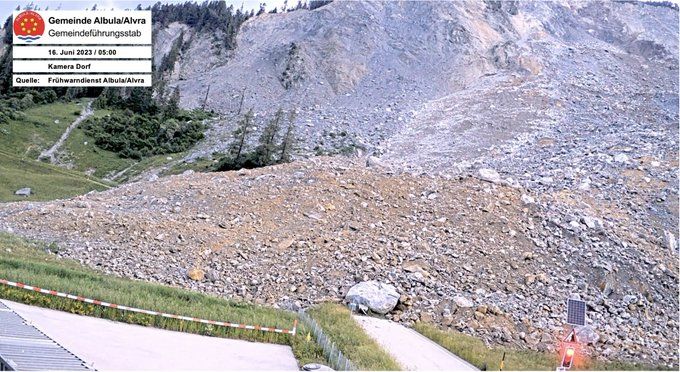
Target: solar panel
576	312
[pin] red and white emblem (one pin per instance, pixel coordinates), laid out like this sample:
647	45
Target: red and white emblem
29	26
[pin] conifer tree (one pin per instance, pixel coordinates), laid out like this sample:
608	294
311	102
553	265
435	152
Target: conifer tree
288	141
171	109
267	146
240	135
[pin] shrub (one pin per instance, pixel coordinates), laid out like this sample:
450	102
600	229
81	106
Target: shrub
137	136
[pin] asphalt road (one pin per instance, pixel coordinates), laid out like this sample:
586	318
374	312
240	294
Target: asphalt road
110	345
413	351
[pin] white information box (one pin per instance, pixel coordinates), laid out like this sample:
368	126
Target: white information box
82	48
81	52
78	27
80	66
72	80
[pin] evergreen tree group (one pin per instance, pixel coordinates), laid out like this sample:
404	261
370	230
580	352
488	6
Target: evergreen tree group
207	17
140	126
273	146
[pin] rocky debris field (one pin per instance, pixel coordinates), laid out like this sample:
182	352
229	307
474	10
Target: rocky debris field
488	258
508	156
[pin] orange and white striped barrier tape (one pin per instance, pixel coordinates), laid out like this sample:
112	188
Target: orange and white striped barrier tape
149	312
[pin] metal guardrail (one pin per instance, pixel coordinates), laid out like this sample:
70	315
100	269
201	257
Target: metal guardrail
336	359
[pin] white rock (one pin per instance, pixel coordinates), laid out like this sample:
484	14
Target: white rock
374	161
26	191
316	367
591	222
587	335
545	180
621	158
489	175
463	302
671	241
381	298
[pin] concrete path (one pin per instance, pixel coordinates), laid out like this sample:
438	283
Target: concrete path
118	346
49	153
412	350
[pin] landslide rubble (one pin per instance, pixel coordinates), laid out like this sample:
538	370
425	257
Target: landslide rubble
489	259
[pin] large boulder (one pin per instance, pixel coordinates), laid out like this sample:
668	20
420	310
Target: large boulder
587	335
379	297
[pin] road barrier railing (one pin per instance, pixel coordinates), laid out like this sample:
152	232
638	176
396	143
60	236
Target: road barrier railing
336	359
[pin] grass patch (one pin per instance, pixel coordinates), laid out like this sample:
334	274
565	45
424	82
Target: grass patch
478	354
81	151
30	262
204	164
155	161
85	156
338	324
37	130
48	182
22	140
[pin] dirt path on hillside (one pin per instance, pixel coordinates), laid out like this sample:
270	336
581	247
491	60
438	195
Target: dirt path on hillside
49	153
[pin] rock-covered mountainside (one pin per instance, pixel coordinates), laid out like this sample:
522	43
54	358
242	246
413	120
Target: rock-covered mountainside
508	155
369	69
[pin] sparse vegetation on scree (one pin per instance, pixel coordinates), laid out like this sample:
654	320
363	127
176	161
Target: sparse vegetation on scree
275	145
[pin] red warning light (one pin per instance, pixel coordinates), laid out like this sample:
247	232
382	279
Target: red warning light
568	357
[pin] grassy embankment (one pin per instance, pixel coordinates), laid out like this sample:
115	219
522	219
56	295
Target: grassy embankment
40	128
29	262
478	354
338	324
48	182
